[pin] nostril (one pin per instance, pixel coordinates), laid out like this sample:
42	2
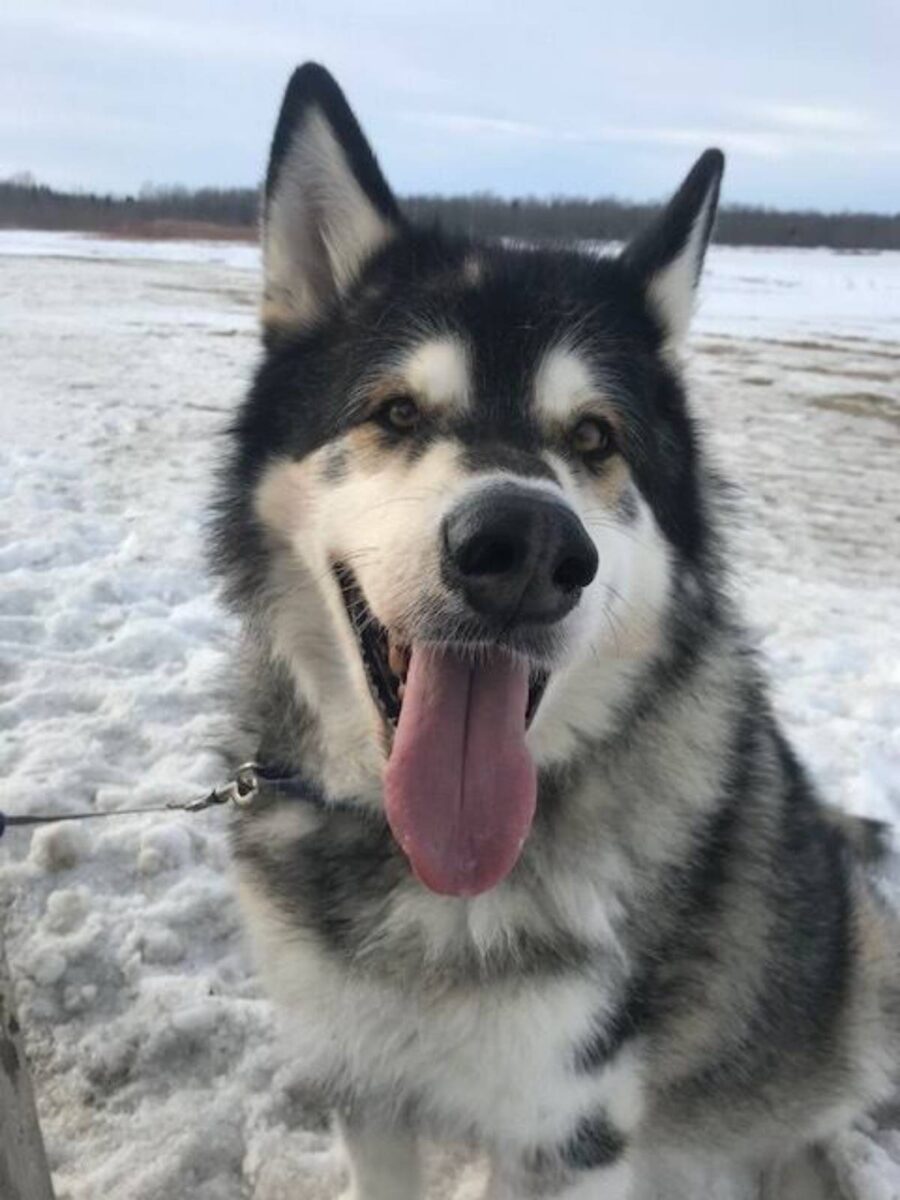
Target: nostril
491	554
573	572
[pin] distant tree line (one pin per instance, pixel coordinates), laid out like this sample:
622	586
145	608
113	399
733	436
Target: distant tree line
28	205
232	212
616	220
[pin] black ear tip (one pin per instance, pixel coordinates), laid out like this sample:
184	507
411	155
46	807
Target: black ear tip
701	182
711	163
310	81
311	84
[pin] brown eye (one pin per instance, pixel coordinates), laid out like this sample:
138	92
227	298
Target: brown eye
400	414
593	439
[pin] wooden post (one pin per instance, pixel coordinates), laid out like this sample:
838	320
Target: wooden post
24	1174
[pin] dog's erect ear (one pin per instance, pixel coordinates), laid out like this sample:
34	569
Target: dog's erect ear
327	208
668	256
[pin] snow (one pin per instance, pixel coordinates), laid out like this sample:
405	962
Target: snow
772	291
747	291
33	243
158	1062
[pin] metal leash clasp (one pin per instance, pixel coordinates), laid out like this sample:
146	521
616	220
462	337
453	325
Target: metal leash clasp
241	791
245	784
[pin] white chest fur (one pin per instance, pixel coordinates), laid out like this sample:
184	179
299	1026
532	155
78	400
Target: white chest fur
493	1060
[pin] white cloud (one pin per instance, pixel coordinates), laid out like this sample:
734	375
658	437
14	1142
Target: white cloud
760	144
780	131
465	124
752	143
119	27
814	118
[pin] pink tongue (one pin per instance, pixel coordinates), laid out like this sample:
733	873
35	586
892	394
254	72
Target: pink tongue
461	787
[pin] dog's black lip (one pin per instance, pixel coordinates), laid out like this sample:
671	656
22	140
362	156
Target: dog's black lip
537	685
372	639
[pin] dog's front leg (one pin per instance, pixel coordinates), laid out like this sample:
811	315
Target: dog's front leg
383	1158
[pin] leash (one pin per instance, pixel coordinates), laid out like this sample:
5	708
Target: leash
249	781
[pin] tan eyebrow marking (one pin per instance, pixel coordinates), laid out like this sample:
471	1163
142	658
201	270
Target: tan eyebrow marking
563	384
437	372
566	388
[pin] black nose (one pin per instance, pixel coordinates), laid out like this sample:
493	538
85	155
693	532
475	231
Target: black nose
517	554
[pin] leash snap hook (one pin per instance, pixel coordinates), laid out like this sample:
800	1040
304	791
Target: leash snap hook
240	791
244	787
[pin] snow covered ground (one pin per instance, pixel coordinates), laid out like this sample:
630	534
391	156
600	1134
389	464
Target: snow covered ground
159	1069
772	292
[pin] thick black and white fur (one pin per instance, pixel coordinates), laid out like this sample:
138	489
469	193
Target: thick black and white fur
687	974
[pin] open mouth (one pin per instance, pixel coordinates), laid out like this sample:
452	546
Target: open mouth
386	660
460	783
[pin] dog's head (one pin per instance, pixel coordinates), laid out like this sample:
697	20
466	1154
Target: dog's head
469	483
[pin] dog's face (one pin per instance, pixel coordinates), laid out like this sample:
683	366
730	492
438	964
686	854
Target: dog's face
472	478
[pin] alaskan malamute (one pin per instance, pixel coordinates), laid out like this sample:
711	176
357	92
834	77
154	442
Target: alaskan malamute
543	873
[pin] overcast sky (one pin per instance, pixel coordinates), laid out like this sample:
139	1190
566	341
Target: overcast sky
539	96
